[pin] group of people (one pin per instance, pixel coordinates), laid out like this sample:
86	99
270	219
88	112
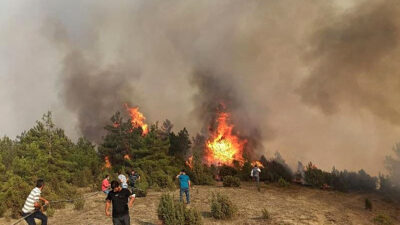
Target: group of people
130	182
119	195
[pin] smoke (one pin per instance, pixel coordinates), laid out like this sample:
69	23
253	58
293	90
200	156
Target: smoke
217	93
93	94
315	80
355	62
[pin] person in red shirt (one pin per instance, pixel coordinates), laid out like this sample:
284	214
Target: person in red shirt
105	185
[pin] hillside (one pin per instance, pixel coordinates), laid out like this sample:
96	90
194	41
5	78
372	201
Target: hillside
292	205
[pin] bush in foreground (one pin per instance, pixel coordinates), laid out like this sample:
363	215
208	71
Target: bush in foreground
368	204
229	181
282	182
172	212
383	219
222	207
265	214
79	204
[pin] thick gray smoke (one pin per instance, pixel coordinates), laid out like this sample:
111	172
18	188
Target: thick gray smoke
217	93
92	94
315	80
355	59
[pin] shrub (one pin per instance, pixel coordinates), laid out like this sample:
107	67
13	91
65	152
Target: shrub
368	204
141	189
265	214
222	207
192	217
172	212
282	182
79	204
227	171
383	219
161	179
229	181
200	174
314	176
274	170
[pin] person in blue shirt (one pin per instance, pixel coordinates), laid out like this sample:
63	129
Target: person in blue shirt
184	183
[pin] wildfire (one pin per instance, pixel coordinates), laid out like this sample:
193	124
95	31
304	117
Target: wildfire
107	163
258	163
127	157
223	147
137	119
189	162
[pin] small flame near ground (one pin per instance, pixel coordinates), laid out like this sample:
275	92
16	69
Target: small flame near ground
258	164
137	119
189	162
223	147
107	163
127	157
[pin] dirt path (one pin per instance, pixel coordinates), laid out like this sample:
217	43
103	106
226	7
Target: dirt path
292	205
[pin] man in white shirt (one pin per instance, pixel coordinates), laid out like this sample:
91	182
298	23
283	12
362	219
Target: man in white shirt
32	204
255	173
123	180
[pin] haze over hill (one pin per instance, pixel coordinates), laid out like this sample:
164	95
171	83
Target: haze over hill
316	81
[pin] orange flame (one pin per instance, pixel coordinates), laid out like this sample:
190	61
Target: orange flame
127	157
137	119
189	162
258	163
107	162
223	147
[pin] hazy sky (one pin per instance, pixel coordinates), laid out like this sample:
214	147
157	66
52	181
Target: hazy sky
317	79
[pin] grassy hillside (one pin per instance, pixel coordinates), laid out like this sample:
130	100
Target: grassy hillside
290	205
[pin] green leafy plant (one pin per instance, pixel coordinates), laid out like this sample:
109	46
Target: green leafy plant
172	212
229	181
368	204
265	214
222	207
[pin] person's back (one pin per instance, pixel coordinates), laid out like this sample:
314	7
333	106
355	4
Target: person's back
184	183
256	171
123	180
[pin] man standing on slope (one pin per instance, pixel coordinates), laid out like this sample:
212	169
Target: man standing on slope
184	183
32	204
255	174
119	197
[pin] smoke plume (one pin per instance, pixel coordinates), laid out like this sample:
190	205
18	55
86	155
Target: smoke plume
315	80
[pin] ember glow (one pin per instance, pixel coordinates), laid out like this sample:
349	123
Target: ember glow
189	162
107	163
137	119
223	147
258	164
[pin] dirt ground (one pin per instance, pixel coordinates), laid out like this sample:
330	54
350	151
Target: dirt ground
291	205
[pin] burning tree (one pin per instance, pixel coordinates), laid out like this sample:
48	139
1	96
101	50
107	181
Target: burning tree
127	146
223	147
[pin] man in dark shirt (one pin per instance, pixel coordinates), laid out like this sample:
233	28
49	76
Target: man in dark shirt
133	178
120	207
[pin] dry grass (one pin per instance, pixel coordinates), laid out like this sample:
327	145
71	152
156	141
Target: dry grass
291	205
